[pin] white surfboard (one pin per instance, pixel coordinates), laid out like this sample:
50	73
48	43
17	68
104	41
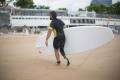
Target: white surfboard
79	39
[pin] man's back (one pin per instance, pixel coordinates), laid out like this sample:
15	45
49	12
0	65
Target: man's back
58	26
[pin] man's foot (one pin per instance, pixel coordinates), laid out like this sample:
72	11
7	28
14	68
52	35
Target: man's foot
68	62
40	52
58	62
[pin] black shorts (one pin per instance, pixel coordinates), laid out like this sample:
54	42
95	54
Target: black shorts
59	42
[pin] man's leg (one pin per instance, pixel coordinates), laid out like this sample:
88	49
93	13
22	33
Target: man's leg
56	49
62	43
57	55
63	54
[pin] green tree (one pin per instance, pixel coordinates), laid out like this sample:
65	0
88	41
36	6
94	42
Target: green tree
65	9
97	8
25	3
112	9
3	3
115	8
80	9
43	7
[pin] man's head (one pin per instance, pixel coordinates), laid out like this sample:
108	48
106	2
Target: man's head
53	15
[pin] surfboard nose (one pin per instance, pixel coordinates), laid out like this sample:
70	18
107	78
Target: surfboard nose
79	39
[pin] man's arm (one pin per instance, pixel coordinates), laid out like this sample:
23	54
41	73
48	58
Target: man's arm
48	35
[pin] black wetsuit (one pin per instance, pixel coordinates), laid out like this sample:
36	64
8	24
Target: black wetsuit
59	40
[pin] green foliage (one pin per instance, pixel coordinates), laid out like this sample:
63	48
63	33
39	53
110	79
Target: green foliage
42	7
80	9
25	3
113	9
65	9
97	8
2	3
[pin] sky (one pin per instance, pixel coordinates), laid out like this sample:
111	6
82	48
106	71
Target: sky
114	1
72	5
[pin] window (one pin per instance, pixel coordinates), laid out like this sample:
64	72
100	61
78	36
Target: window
19	18
72	21
83	20
91	21
79	21
87	20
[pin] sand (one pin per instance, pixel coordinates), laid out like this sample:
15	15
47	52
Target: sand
20	60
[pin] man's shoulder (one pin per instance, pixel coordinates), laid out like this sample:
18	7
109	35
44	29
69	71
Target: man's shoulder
59	20
56	21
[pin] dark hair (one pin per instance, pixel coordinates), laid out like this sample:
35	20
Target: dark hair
53	14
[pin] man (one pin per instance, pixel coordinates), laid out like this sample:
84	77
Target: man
57	26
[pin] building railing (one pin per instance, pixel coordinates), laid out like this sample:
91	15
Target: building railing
107	16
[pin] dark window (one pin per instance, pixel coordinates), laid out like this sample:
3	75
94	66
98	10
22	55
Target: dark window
83	20
72	21
87	20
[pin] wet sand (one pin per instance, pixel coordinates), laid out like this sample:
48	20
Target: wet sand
20	60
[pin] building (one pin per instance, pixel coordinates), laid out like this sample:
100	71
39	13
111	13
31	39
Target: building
36	20
104	2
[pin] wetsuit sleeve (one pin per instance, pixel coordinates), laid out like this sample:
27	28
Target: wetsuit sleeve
63	23
50	26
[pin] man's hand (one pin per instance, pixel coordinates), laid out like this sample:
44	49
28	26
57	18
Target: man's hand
48	35
46	43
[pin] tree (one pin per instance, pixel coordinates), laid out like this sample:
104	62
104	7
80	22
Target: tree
80	9
43	7
112	9
4	3
97	8
65	9
116	8
25	3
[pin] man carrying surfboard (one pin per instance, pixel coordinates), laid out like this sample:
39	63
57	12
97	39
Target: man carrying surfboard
57	27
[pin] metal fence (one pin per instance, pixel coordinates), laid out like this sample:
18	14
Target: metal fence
4	17
107	16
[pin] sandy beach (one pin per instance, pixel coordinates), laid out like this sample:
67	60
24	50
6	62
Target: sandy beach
20	60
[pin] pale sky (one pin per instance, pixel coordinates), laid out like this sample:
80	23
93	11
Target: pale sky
114	1
72	5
